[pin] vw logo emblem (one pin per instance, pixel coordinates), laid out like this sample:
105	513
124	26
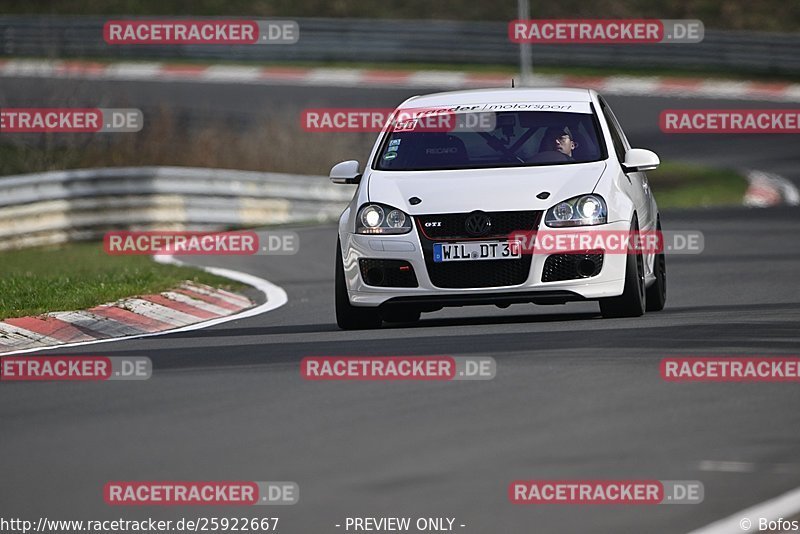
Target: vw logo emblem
478	224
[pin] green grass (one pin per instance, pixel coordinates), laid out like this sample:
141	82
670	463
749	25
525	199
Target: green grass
21	159
682	185
77	276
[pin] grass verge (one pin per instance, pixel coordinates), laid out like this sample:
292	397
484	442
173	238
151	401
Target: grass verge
77	276
685	185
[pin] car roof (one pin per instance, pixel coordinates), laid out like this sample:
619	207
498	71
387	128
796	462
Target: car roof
498	96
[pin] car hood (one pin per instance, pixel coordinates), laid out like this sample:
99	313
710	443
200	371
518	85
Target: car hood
510	189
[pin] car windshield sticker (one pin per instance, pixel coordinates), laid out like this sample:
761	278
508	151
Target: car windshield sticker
563	107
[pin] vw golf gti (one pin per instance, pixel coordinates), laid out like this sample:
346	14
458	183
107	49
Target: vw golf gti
442	215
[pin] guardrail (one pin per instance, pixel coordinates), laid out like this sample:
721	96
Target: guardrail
55	207
426	41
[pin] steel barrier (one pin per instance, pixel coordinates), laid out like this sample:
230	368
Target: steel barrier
427	41
54	207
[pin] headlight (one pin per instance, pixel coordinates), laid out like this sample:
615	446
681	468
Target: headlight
562	211
585	210
590	207
371	216
382	219
396	219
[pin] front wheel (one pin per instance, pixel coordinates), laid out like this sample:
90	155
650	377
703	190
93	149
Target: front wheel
350	317
632	302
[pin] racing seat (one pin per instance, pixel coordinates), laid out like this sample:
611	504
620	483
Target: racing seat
433	150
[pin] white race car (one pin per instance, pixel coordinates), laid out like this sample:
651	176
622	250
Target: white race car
435	215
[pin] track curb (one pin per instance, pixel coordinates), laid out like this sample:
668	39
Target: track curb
354	77
767	189
189	304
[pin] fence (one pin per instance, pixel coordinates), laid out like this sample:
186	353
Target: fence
427	41
54	207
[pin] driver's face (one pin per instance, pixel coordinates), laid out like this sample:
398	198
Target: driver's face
565	145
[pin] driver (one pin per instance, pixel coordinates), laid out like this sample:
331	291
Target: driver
565	142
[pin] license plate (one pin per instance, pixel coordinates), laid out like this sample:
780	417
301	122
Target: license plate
477	250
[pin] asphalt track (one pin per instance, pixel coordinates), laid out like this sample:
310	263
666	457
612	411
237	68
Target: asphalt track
575	397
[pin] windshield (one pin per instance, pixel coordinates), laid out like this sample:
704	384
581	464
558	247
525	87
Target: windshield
517	139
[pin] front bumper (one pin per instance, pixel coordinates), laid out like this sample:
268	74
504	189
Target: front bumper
609	282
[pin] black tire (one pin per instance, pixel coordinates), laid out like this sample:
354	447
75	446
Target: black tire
657	292
633	301
401	316
350	317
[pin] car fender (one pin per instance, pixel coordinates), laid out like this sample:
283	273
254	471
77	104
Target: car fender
613	187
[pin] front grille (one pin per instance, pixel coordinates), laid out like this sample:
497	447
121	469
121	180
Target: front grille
486	273
570	267
452	225
387	273
482	273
